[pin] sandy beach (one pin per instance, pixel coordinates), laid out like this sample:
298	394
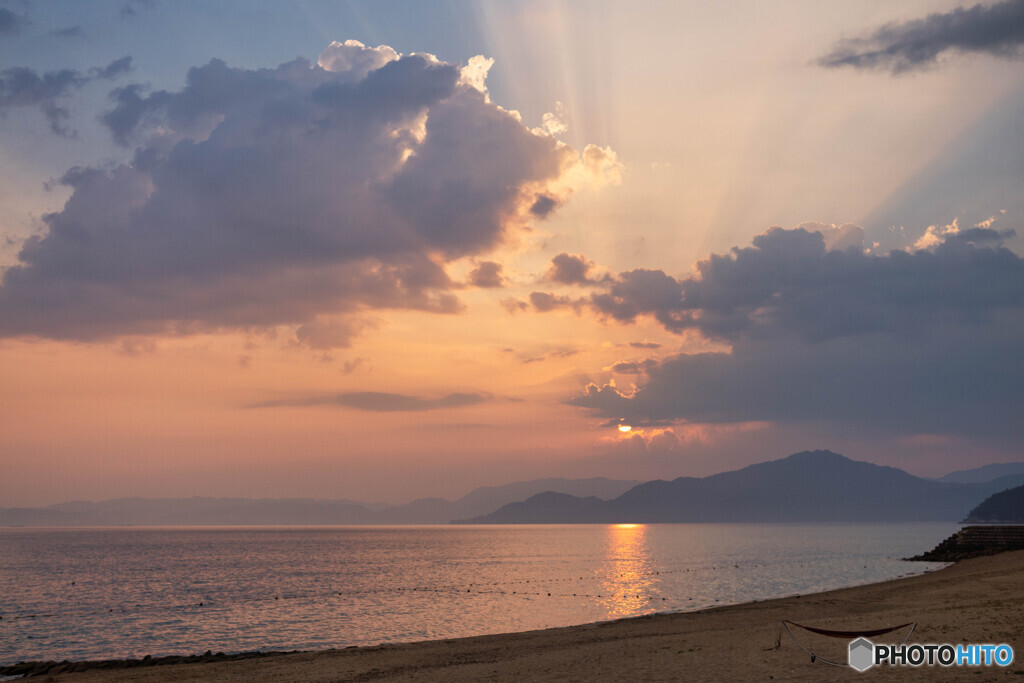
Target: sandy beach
973	601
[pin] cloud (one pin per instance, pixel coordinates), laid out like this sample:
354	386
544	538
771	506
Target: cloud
996	29
325	334
920	342
570	269
111	71
128	9
75	31
559	352
354	58
630	367
645	345
24	87
474	74
350	366
486	274
553	123
261	197
788	280
642	291
382	402
513	305
837	237
979	235
544	302
11	23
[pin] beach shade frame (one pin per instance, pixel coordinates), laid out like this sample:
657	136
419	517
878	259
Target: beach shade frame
846	635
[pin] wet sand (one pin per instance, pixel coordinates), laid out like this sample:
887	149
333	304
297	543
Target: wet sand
979	600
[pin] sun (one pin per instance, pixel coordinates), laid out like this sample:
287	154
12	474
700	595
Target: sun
624	428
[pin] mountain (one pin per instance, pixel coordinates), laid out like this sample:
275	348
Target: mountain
546	508
813	486
487	499
199	511
1005	507
985	473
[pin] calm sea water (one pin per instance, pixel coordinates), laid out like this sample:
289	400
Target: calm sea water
128	592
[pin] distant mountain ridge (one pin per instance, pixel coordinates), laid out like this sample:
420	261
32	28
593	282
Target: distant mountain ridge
205	511
984	473
812	486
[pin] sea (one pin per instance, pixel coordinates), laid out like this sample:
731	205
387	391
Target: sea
101	593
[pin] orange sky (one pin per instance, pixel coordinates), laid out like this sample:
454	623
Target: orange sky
659	133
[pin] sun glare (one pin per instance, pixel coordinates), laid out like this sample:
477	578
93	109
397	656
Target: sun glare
624	428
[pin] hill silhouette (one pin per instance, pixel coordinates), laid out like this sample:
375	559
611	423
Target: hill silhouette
205	511
812	486
1005	507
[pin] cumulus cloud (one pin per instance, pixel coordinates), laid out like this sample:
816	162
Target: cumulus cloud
570	269
789	279
474	74
553	122
980	234
996	29
259	197
919	342
355	59
486	274
24	87
844	236
383	402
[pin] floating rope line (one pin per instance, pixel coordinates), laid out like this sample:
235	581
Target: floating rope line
477	587
847	635
214	604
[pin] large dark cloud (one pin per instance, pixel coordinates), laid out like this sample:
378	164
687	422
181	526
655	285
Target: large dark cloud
921	342
283	196
382	402
996	29
24	87
788	280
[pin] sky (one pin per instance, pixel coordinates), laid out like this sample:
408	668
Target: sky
387	250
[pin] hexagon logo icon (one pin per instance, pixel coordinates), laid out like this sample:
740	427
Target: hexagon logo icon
862	654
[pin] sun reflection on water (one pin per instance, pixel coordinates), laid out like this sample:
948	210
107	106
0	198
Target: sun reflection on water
627	588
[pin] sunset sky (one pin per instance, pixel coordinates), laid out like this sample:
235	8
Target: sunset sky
385	250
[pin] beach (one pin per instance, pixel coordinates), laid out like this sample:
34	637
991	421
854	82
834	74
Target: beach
973	601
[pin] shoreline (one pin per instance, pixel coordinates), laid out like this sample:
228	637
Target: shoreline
972	601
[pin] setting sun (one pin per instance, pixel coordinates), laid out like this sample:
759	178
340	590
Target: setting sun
624	428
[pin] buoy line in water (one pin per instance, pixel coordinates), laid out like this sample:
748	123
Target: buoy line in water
473	588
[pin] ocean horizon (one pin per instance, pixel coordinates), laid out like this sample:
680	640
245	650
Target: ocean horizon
126	592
